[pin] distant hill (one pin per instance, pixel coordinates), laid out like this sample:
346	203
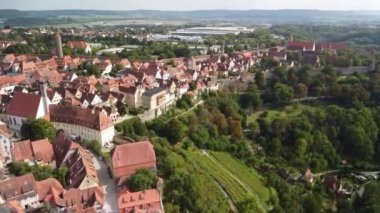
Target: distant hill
259	16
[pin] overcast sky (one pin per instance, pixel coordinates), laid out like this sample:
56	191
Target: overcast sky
190	4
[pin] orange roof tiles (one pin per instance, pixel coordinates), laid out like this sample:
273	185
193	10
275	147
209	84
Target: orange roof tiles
127	158
43	151
148	201
22	150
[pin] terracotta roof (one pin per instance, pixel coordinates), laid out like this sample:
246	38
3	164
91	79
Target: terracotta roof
49	191
5	80
148	200
77	44
127	158
300	45
18	187
22	150
83	201
43	151
79	116
24	105
330	46
4	130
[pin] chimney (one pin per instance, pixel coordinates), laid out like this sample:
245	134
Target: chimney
58	45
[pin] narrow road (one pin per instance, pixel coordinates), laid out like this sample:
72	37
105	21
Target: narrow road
110	202
247	188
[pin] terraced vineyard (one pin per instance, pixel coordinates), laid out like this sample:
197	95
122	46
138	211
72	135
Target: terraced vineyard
236	187
245	174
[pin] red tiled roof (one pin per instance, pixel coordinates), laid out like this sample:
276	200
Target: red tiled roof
22	151
83	200
148	200
330	46
24	105
17	186
300	45
49	190
43	151
77	44
80	116
127	158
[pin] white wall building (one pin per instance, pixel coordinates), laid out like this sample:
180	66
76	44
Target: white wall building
89	124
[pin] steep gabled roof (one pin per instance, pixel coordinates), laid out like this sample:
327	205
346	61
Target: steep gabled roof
24	105
62	146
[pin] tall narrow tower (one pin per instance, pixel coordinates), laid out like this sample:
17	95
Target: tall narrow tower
44	96
223	48
58	45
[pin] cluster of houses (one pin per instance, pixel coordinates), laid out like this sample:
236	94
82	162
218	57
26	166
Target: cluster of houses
83	192
33	87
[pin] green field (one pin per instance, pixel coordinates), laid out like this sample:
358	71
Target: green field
234	177
271	114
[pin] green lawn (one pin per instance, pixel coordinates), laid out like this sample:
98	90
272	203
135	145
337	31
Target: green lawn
235	178
271	114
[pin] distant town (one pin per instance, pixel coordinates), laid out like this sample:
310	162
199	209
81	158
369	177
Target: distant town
75	105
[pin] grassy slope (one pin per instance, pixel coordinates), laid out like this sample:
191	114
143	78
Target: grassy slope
236	179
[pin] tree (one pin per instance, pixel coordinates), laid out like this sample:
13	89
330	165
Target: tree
122	109
93	70
369	201
181	51
250	100
249	205
312	204
61	175
260	79
301	90
305	76
142	179
19	49
174	131
116	69
282	93
38	129
66	50
275	147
